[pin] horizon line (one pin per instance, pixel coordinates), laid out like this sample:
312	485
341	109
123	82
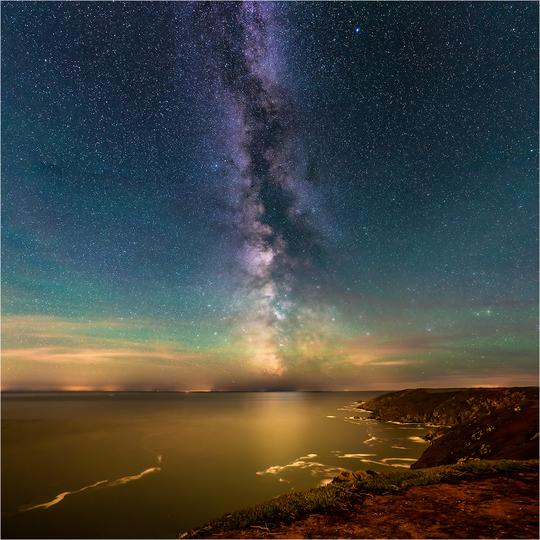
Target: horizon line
224	391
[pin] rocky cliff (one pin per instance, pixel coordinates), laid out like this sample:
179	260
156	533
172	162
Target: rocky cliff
448	407
480	423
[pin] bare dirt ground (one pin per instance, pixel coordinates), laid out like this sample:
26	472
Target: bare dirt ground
495	507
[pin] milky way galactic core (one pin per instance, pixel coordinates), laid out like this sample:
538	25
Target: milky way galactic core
260	195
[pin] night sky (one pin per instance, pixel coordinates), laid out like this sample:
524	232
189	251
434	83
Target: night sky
270	195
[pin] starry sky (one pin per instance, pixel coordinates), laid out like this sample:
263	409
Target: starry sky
296	196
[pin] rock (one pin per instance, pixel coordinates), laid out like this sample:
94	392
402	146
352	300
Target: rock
449	407
344	476
492	423
362	475
501	434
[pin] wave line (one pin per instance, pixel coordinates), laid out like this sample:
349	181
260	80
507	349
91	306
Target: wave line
103	483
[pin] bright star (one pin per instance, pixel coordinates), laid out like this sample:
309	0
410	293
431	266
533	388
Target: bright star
357	30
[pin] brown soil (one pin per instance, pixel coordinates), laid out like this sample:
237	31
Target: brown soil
495	507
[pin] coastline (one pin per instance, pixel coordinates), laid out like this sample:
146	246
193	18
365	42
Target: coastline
365	506
458	468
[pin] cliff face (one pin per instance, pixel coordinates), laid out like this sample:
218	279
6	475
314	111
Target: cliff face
485	423
448	407
503	434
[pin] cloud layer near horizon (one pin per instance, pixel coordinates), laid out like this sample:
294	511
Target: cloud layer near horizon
41	352
250	196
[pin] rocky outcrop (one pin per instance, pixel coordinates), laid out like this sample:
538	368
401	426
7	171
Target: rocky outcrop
510	433
480	423
348	476
448	407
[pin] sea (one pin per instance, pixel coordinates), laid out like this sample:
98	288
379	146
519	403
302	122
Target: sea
156	464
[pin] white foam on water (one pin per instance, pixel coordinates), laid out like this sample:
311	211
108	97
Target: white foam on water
314	467
397	459
296	464
61	496
352	407
126	479
362	420
101	483
355	456
384	463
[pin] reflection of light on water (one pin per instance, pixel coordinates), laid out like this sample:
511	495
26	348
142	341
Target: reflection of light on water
417	440
102	483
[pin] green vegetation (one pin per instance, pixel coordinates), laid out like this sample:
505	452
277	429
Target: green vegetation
339	496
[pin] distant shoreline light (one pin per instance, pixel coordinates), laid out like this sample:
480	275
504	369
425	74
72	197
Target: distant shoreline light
165	391
94	390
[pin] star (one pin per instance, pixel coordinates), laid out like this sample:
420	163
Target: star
213	178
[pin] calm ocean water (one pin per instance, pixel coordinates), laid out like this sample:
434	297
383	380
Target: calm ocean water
151	465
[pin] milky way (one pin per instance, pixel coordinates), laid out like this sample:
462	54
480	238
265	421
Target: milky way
269	195
265	186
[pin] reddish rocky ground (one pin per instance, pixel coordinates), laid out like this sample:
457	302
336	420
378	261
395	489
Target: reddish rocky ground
494	507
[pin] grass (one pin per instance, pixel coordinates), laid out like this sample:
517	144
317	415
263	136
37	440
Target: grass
340	496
